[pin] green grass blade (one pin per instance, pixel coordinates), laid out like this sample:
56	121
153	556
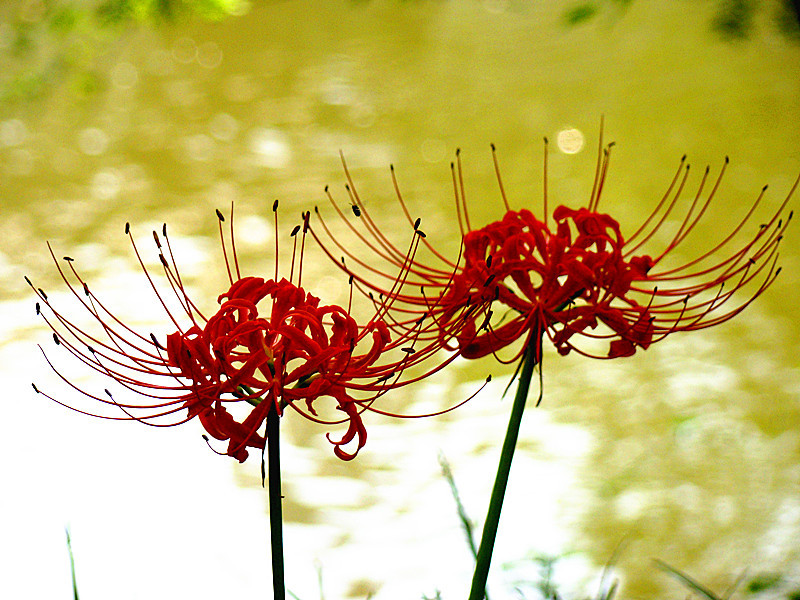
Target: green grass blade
72	567
686	580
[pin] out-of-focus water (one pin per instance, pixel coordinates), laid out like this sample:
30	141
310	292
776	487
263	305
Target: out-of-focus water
687	452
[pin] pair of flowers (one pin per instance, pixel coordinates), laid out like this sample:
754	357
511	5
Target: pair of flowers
570	277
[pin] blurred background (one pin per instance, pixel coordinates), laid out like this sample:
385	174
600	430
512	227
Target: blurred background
152	112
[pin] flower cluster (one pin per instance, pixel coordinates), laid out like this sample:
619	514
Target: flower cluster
572	276
270	346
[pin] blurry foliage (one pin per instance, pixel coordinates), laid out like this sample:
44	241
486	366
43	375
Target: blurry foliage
117	11
733	19
44	43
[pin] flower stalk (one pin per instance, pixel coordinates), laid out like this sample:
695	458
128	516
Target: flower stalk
275	508
484	558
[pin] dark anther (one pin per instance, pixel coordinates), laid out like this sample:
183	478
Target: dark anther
343	260
158	242
391	167
350	280
764	189
488	318
408	350
489	261
35	389
458	151
90	349
420	233
416	223
727	160
491	145
56	340
164	230
69	259
496	292
295	230
163	260
28	280
155	341
326	189
41	291
316	209
219	215
371	297
108	393
127	228
777	271
546	141
275	206
347	186
356	210
751	261
488	280
85	289
38	309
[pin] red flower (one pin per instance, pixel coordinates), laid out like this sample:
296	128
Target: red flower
270	344
573	277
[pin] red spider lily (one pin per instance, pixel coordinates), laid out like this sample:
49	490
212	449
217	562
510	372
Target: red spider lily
573	275
270	344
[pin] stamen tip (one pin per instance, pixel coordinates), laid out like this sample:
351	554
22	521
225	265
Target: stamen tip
219	214
35	389
127	228
69	259
275	205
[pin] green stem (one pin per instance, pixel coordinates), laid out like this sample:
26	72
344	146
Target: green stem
275	511
478	590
